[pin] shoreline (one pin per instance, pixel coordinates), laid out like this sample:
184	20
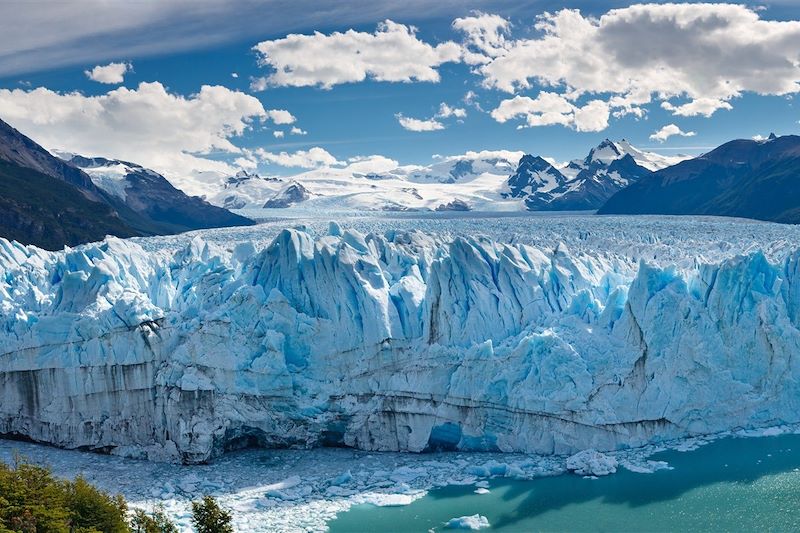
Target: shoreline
290	490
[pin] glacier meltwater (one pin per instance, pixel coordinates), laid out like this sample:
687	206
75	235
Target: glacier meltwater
400	339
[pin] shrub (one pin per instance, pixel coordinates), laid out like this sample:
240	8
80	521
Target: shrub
31	499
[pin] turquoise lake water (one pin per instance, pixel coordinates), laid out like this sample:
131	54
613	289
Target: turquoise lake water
733	484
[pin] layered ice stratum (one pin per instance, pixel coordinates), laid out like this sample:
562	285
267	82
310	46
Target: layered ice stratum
396	340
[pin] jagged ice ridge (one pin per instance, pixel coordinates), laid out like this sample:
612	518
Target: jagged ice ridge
400	340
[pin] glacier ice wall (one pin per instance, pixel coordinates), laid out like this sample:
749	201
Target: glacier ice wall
396	341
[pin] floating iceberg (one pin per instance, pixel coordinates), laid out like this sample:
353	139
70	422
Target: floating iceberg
390	341
472	522
592	463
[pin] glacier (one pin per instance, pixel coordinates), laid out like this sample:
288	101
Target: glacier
571	338
486	180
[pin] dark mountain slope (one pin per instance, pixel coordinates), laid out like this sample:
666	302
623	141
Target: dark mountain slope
20	150
50	203
742	178
38	209
151	196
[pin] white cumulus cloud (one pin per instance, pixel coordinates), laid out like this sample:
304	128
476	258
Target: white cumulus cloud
113	73
415	124
281	116
471	99
668	131
312	158
445	111
700	106
485	36
483	154
549	109
703	52
371	164
149	125
393	53
434	123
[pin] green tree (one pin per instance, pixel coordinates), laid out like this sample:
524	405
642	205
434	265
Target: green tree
94	510
156	522
209	517
33	501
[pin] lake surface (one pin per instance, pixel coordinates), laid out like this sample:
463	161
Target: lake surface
733	484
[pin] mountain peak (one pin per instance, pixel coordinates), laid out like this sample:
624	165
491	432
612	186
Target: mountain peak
534	162
243	174
605	152
291	194
534	176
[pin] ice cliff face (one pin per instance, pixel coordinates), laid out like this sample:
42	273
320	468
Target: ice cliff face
395	341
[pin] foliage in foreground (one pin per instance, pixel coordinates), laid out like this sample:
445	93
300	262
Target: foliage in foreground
32	501
156	522
209	517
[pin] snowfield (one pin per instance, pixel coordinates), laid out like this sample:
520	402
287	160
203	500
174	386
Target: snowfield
481	181
551	335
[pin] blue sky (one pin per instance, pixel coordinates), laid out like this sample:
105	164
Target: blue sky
185	50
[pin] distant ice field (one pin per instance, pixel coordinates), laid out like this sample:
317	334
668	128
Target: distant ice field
660	240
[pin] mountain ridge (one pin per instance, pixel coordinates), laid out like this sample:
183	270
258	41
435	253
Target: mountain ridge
150	194
49	202
742	178
580	185
480	180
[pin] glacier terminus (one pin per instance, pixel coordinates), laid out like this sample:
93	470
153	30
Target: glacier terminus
544	334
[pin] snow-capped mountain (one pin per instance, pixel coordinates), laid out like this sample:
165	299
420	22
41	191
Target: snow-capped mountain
583	184
459	169
245	189
608	151
290	195
474	180
150	194
57	199
536	180
649	160
48	202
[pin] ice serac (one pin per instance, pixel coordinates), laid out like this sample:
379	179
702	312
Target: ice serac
392	341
